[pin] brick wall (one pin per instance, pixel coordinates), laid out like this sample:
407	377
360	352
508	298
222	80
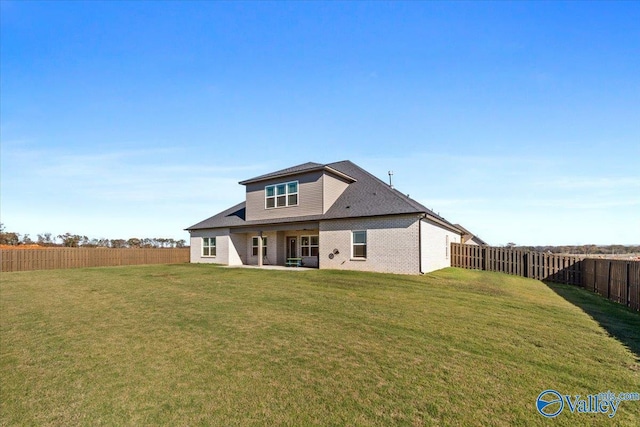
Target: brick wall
436	246
222	246
392	244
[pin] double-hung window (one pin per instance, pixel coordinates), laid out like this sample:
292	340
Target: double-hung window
254	246
281	195
208	246
309	245
359	244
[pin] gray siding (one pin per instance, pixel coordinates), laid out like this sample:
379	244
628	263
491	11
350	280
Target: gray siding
333	188
392	244
310	192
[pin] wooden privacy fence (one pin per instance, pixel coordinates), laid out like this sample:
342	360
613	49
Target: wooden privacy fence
536	265
616	280
54	258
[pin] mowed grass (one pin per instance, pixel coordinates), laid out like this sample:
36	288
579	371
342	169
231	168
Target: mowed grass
205	345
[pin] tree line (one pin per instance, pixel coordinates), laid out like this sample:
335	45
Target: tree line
582	249
70	240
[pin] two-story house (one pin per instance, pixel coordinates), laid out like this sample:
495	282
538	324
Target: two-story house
335	215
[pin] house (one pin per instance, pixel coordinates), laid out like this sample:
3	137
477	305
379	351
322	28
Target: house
468	238
335	216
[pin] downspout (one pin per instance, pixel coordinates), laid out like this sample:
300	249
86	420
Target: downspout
260	249
420	218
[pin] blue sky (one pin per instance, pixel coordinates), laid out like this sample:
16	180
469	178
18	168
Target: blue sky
521	121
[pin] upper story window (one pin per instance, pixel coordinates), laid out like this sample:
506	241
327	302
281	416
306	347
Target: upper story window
281	195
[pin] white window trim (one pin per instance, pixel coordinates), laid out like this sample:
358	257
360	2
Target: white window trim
359	258
264	245
309	236
214	246
286	195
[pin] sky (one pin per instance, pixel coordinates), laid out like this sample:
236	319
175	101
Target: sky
518	120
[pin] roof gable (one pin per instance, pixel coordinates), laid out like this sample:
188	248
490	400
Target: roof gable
296	170
365	196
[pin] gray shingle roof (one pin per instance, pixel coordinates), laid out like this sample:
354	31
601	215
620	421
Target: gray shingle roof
232	217
305	167
364	197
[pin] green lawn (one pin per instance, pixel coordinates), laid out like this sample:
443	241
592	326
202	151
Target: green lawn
203	345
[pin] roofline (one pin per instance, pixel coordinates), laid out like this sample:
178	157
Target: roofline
339	174
291	173
442	222
422	215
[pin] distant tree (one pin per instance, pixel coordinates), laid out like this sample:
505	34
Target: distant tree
72	240
118	243
8	237
45	239
590	249
75	240
91	243
103	243
134	242
147	243
511	245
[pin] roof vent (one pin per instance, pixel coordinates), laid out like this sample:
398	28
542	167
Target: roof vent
390	175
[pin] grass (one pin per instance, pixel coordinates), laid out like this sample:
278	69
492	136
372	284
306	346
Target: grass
204	345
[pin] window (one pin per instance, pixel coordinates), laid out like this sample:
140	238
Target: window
254	246
208	246
359	246
309	245
281	195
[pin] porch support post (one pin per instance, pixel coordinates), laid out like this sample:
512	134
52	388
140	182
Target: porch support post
260	249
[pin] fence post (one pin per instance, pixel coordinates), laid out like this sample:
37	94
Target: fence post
483	255
628	299
609	281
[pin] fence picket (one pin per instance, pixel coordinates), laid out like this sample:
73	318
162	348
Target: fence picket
54	258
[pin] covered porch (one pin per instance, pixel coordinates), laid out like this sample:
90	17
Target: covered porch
285	245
